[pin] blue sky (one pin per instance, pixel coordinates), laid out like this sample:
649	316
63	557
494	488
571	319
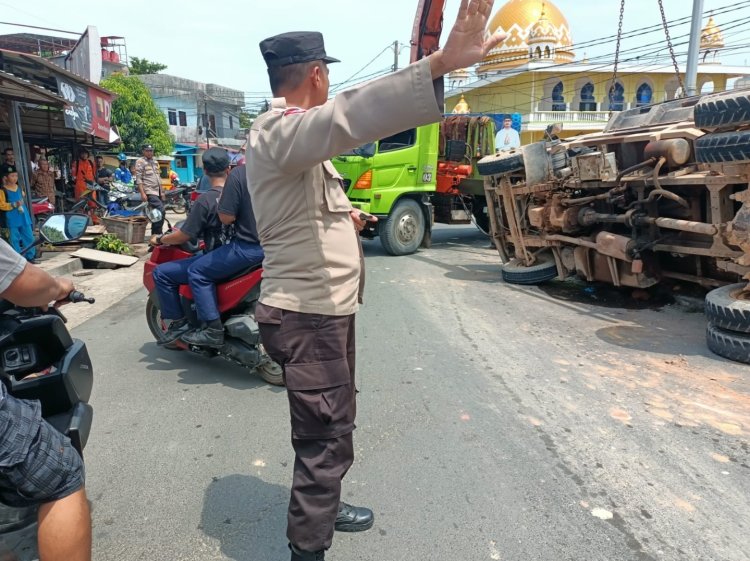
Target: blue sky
218	42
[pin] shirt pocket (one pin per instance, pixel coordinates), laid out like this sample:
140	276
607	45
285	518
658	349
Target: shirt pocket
333	189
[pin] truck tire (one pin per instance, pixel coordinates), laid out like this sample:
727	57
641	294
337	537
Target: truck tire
728	344
726	110
403	230
515	273
723	147
726	311
504	162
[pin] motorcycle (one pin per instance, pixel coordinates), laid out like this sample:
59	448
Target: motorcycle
176	200
41	210
39	360
236	296
124	201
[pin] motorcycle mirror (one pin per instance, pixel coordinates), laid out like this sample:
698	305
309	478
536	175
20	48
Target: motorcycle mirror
63	228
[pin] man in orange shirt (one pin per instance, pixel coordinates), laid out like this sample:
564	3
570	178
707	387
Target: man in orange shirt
83	171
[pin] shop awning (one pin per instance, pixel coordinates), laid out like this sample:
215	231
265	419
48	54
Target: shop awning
16	89
86	107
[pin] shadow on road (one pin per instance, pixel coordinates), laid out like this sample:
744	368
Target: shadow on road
194	369
247	516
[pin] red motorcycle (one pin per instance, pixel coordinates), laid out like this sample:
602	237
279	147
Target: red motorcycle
41	210
236	298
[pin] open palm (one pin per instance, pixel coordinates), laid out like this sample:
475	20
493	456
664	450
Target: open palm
468	42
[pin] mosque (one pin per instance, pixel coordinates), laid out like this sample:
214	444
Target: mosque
535	76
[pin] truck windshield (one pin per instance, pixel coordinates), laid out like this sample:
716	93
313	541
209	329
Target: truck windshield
365	150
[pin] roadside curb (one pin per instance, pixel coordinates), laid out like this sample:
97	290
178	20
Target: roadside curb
61	265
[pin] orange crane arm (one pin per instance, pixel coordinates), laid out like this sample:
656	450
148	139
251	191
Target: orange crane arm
428	25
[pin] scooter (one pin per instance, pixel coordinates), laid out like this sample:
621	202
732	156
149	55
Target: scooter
236	297
41	210
39	360
174	200
124	201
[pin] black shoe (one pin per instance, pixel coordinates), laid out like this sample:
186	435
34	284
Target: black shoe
299	555
353	518
177	329
206	337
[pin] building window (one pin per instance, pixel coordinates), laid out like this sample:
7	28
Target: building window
617	97
182	118
231	123
172	116
546	52
644	95
538	52
558	99
180	162
588	102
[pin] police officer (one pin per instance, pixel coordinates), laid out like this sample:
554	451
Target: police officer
313	274
148	182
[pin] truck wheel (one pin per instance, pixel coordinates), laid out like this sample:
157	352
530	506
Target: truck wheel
155	324
504	162
723	147
515	273
726	310
728	344
403	230
722	110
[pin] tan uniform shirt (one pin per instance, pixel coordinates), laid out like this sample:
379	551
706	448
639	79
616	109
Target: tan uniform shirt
148	173
312	253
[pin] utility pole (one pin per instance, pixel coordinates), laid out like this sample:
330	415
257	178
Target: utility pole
395	56
691	74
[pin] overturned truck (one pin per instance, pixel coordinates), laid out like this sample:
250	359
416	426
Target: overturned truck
662	193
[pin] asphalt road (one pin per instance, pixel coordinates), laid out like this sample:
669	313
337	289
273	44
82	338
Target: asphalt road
495	422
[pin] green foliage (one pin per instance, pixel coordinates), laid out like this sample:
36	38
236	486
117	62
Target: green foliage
138	119
112	244
145	66
54	235
246	119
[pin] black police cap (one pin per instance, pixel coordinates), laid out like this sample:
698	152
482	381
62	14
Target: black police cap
147	147
7	169
215	160
293	48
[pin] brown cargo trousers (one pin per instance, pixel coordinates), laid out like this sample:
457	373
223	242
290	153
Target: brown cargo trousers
317	355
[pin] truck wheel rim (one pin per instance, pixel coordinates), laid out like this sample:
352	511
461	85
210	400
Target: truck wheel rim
407	228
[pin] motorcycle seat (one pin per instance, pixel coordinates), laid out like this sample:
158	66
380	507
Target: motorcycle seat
243	272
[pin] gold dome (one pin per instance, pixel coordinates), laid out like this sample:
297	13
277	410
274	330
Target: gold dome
461	107
711	37
518	19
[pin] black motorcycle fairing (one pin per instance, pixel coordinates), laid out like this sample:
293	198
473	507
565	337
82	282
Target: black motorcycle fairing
31	342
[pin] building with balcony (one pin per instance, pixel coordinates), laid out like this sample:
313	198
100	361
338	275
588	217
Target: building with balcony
535	75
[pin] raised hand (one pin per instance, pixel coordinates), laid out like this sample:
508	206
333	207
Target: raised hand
468	42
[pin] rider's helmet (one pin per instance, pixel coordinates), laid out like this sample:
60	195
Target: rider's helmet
154	214
122	157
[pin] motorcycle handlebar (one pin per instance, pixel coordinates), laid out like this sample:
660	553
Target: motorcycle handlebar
75	296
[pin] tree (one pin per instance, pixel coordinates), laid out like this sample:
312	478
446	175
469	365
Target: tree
138	119
246	119
145	66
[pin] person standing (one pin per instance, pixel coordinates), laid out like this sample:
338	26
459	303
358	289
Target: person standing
83	172
9	161
507	137
17	219
43	181
122	173
313	277
148	182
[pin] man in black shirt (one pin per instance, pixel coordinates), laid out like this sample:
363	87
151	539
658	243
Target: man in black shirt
242	251
201	272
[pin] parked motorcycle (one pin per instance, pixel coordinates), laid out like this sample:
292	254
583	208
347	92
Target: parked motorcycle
176	201
39	360
236	297
41	210
124	201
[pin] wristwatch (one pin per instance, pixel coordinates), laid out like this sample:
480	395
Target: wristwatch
158	239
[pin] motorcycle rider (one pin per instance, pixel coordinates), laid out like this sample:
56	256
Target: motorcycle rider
200	271
38	464
122	173
242	251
